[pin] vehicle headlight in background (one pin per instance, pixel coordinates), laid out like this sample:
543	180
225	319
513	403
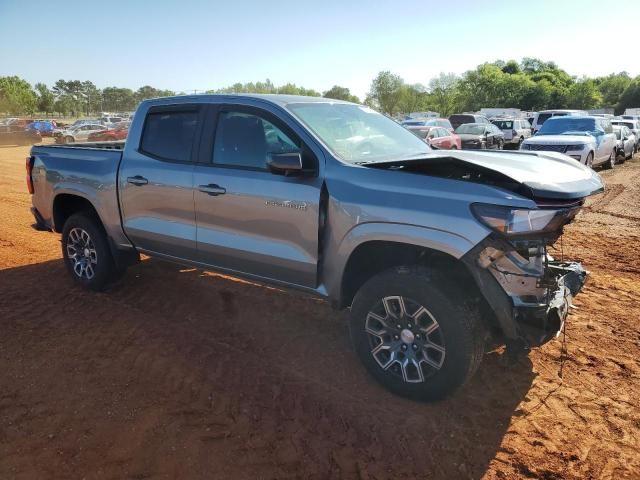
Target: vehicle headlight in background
522	221
575	148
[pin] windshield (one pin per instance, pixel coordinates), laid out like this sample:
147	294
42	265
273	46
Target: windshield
503	124
471	129
558	126
358	134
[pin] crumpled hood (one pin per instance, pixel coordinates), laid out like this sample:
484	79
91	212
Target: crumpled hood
548	175
560	139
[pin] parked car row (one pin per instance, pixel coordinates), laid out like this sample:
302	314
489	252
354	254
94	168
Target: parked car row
92	132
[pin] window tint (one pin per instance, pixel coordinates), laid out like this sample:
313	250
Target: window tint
245	140
169	135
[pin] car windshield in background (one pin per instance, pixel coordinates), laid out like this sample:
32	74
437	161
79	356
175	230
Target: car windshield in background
503	124
359	134
567	125
414	123
470	129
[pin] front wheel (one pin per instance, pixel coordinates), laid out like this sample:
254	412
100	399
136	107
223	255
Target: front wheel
611	162
86	252
69	139
413	338
589	160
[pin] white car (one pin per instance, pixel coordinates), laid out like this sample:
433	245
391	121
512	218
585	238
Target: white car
587	139
540	117
80	133
626	142
516	130
633	125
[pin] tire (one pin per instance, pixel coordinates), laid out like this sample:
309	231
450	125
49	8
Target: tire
500	145
589	160
69	139
611	162
434	364
86	252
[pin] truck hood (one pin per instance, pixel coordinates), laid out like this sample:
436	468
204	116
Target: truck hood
544	175
560	139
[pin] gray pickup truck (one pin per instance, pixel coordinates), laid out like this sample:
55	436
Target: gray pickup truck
435	253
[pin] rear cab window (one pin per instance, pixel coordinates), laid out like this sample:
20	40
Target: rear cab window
169	134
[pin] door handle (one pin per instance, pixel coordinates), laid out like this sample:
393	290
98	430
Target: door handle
137	180
212	189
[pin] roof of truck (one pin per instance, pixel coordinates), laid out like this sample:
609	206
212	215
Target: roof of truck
278	99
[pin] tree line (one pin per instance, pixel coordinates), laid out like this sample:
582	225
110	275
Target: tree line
531	84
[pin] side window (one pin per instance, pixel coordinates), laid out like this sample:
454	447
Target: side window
246	140
169	135
444	132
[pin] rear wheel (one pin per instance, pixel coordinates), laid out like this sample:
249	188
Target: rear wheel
415	339
86	252
69	139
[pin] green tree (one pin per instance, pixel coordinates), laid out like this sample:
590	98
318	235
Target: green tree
16	96
340	93
584	95
630	98
116	99
386	92
46	98
612	87
443	93
147	92
413	98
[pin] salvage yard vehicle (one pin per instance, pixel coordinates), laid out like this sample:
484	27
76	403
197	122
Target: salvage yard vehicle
15	135
118	132
434	252
462	118
587	139
626	142
540	117
480	136
515	130
80	133
633	125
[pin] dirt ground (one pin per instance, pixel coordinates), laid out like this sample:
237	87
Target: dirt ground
180	373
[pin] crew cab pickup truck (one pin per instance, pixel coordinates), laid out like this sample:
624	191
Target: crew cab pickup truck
435	253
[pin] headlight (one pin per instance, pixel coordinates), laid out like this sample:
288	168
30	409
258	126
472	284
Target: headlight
522	221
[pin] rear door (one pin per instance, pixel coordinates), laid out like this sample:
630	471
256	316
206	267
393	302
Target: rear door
250	220
156	182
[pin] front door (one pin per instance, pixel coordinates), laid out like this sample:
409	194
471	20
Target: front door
250	220
156	183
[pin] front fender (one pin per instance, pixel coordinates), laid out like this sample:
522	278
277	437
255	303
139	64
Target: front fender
443	241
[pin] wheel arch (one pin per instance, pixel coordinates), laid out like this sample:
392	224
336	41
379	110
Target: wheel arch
66	204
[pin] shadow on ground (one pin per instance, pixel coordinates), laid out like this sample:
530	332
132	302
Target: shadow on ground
181	373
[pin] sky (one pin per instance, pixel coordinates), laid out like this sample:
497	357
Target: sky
192	45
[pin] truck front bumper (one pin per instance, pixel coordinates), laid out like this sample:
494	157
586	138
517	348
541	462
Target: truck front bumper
528	291
540	322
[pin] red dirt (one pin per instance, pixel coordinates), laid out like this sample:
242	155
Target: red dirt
179	373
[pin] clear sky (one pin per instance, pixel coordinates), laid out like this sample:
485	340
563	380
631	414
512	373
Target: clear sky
184	45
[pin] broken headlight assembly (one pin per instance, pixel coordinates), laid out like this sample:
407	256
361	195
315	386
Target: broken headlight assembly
512	221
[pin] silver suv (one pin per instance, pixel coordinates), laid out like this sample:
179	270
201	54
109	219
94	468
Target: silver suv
516	130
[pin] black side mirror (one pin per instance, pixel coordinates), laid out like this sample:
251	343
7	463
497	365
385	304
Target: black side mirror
285	163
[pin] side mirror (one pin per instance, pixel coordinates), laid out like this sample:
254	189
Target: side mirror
285	163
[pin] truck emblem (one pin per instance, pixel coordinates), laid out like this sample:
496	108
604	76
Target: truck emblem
286	204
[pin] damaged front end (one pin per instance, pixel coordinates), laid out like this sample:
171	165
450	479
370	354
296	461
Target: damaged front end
529	292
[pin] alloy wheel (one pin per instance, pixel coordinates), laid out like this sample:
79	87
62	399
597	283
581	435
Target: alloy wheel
405	339
81	251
